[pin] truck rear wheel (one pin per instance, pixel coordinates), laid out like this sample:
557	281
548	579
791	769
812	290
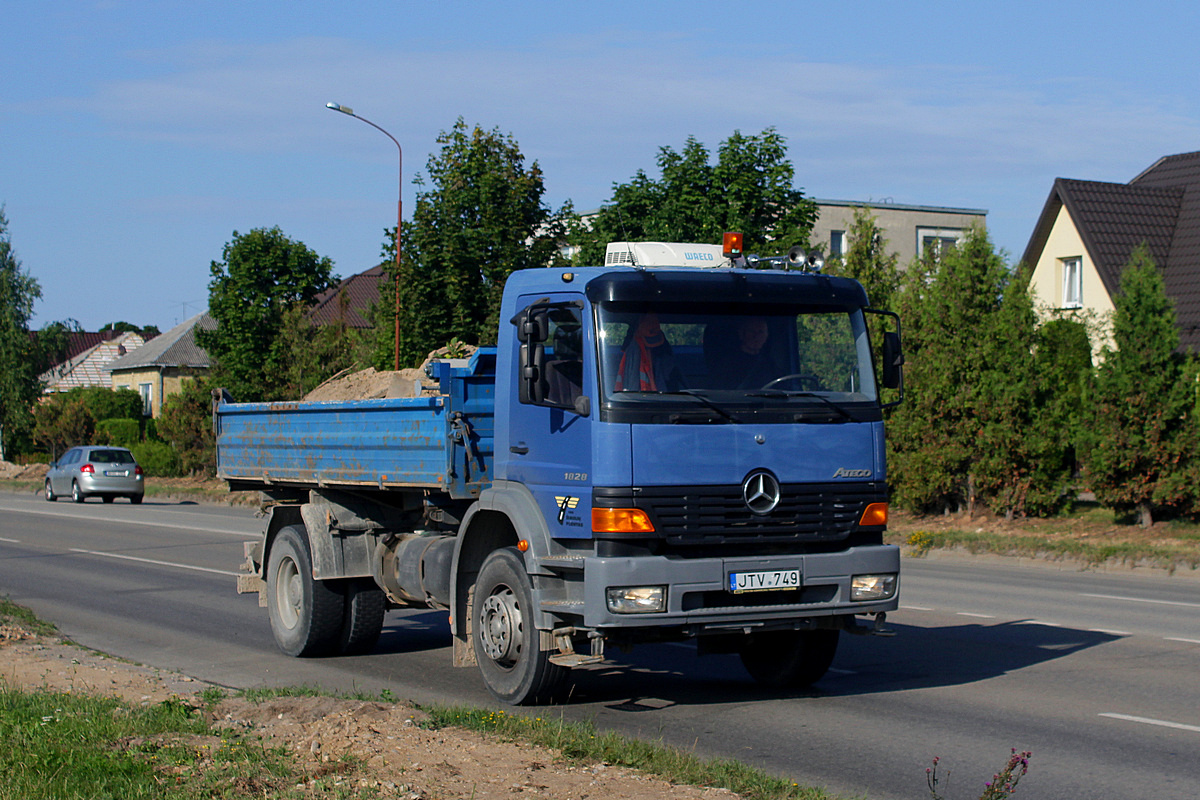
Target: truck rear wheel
789	659
306	614
363	620
515	669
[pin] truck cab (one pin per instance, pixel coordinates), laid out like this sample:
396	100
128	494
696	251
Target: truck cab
705	447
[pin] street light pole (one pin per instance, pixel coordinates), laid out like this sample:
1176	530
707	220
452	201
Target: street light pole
399	216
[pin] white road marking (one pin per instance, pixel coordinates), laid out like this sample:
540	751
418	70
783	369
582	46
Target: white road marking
1037	622
916	608
1109	632
192	528
977	616
155	562
1185	641
1142	600
1162	723
10	541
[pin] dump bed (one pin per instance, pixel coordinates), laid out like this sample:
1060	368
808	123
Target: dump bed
442	442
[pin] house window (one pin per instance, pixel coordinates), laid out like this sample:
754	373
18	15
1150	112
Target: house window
937	240
1072	283
147	392
837	243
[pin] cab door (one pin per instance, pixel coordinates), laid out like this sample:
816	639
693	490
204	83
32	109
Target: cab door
551	435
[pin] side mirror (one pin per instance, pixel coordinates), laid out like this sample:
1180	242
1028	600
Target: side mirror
532	373
532	325
893	361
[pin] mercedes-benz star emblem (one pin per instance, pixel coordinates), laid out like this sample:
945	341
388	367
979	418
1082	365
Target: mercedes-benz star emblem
761	492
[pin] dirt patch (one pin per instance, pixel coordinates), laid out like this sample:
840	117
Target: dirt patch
370	384
22	472
389	749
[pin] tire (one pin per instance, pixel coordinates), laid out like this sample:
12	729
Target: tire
362	620
108	498
514	668
306	614
136	499
789	659
77	495
50	495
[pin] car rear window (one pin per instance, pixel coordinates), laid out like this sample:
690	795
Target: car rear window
112	456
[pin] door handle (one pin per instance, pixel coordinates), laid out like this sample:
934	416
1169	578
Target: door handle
519	449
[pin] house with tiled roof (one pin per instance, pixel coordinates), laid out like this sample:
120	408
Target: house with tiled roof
158	369
89	364
1088	230
349	302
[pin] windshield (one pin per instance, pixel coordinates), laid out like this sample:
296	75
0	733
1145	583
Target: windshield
731	360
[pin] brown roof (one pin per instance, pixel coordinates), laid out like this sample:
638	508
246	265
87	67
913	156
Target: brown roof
1160	208
350	301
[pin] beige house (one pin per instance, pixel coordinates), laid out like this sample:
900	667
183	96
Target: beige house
157	370
909	230
1088	230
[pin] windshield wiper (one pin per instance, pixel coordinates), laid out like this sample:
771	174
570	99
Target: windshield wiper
708	403
845	415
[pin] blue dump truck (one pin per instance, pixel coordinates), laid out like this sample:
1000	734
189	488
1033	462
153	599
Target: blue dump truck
684	444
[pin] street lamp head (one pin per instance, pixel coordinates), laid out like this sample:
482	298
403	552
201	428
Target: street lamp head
341	108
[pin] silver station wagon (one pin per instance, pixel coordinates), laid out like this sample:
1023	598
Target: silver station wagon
95	471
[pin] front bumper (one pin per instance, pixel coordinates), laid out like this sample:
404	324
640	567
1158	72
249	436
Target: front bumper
698	598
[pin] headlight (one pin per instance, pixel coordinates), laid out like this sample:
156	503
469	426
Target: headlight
872	587
637	599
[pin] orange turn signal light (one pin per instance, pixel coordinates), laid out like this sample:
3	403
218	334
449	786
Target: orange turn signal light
874	514
621	520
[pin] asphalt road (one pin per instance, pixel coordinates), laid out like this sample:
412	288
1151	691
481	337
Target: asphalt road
1097	673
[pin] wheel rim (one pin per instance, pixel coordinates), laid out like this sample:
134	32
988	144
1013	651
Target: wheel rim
49	491
75	495
501	628
289	593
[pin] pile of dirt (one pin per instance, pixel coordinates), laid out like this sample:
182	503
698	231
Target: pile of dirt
370	384
390	752
22	472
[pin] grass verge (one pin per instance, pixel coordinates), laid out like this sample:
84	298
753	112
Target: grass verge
582	743
72	746
1170	554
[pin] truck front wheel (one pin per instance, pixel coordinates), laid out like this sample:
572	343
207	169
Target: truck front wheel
789	659
515	669
306	614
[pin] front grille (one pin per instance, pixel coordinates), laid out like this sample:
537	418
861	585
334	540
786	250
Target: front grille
715	515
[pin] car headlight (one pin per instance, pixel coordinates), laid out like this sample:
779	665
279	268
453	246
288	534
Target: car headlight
872	587
637	599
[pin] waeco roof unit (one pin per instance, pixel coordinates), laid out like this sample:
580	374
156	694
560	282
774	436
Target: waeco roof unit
664	254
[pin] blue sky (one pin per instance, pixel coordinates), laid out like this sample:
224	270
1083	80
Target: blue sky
136	137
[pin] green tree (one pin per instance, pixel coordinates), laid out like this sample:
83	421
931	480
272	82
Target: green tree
186	423
1142	432
311	354
479	218
951	304
72	418
129	327
750	190
18	361
263	273
1030	383
63	422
